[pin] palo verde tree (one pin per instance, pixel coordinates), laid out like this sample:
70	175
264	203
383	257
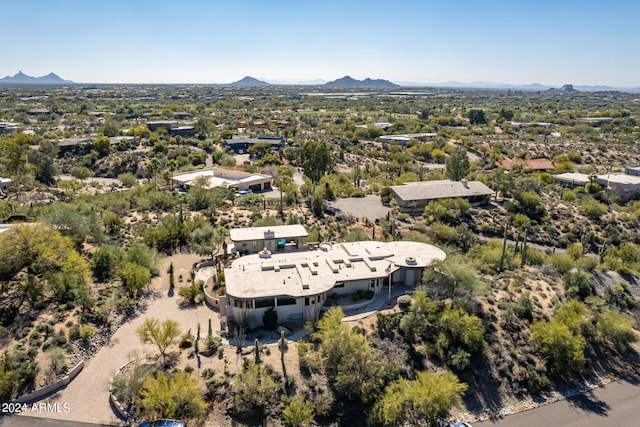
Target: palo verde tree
420	401
162	335
178	396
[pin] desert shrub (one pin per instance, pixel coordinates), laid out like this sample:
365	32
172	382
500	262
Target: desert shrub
615	328
87	332
561	262
592	208
459	359
270	319
193	293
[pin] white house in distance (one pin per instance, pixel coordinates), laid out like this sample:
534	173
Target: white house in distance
226	178
623	185
415	195
404	138
297	284
273	238
5	185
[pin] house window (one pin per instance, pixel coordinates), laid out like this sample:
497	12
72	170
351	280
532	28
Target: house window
306	301
372	283
286	301
265	302
339	285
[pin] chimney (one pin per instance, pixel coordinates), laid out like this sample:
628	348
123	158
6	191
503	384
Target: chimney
464	182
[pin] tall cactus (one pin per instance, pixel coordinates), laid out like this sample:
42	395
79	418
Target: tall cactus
504	248
257	350
524	250
282	345
602	252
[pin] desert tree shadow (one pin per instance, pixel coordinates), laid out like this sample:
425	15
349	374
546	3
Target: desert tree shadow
588	402
483	395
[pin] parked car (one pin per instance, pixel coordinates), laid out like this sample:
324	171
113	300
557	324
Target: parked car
163	423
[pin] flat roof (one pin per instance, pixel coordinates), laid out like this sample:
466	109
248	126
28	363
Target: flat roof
572	178
409	135
440	189
619	178
270	232
297	274
218	177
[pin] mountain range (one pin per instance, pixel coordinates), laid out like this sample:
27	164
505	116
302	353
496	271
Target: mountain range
23	79
347	82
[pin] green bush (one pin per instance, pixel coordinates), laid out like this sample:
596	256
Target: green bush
270	319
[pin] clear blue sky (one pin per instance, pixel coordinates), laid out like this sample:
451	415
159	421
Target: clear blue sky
219	41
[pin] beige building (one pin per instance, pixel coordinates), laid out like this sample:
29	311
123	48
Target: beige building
416	195
226	178
274	238
297	284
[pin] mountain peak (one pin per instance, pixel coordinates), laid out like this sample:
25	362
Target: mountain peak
22	78
368	83
249	81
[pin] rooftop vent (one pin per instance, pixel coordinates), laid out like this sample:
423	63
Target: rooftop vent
410	260
265	253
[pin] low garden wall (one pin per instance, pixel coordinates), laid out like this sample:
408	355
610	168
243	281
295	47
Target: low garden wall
51	388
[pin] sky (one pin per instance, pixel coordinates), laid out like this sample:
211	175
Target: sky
552	42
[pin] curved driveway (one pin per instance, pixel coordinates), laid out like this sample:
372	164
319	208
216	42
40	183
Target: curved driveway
88	394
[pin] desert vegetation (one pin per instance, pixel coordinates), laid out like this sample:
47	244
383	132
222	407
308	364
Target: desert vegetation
538	293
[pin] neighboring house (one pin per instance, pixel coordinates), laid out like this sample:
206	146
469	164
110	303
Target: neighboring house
404	138
623	186
540	124
38	111
595	121
66	145
157	124
297	284
533	165
172	127
274	238
5	185
416	195
240	144
572	179
381	125
8	127
634	170
227	178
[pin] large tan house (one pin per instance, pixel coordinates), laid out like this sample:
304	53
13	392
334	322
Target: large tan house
297	284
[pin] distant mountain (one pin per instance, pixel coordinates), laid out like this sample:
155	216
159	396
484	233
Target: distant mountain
249	82
24	79
349	83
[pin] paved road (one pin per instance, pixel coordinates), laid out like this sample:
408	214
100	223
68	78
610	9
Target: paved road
26	421
369	206
615	405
